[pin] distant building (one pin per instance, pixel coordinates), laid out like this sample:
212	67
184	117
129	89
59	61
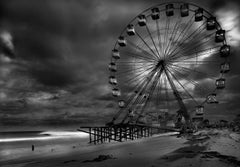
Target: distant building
223	123
197	121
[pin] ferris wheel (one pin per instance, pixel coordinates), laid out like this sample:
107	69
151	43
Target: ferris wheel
170	58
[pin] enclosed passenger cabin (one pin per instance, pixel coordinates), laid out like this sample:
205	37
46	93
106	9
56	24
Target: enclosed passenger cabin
112	80
115	54
155	13
199	14
142	20
130	30
122	41
199	110
145	96
184	10
121	103
211	99
116	92
112	67
211	23
225	51
220	36
225	67
169	10
220	83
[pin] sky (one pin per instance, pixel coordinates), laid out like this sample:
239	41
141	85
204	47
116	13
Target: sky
54	60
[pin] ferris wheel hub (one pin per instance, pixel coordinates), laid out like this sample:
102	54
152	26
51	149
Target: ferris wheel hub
161	63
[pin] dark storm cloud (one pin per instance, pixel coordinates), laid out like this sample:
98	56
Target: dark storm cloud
38	31
60	38
217	4
66	44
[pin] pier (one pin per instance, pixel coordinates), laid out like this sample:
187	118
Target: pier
121	132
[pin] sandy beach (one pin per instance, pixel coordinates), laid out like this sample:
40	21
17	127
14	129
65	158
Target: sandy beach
205	148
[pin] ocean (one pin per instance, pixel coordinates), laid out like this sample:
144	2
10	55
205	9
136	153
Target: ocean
19	143
17	136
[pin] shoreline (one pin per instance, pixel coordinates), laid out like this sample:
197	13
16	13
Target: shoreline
214	147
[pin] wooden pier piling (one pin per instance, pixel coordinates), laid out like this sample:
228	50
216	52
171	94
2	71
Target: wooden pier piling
120	132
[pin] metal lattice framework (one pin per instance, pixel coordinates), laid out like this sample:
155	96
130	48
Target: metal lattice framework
170	58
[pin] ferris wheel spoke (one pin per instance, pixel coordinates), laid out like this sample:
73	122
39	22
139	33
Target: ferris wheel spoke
137	100
192	46
140	69
173	38
142	109
139	86
147	45
159	38
158	91
197	54
183	109
158	76
130	73
138	76
149	33
200	39
135	80
135	63
205	89
182	34
127	63
136	67
194	52
194	83
181	85
129	100
138	56
155	85
130	79
166	90
149	88
152	84
177	50
136	70
169	41
163	89
152	88
194	70
195	62
147	80
196	32
166	36
173	34
137	48
138	113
